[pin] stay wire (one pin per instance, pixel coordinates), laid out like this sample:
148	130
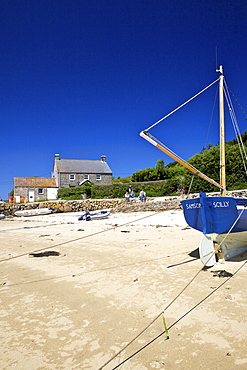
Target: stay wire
238	102
211	117
182	105
229	231
235	126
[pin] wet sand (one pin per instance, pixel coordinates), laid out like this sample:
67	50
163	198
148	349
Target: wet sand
78	307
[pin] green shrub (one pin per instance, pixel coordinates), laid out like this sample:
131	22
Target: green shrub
118	190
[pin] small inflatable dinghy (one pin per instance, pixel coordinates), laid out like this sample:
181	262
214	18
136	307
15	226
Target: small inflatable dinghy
87	216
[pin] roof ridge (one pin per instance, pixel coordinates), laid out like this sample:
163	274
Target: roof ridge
32	177
62	159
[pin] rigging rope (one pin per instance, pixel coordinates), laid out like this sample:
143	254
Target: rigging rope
211	117
238	102
182	105
229	231
172	301
192	179
194	277
236	127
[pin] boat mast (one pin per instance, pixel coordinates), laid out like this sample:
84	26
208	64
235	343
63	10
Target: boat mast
147	136
222	134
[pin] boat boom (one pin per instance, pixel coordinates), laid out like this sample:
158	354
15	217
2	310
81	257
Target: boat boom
151	139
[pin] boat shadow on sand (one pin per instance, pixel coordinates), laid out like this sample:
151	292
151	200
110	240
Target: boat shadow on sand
241	257
195	256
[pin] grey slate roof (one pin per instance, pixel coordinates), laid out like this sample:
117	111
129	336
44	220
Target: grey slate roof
82	166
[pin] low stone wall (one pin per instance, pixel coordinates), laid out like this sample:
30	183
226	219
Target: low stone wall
116	205
149	205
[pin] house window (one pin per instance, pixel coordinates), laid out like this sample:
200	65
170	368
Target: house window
86	177
98	177
41	191
72	177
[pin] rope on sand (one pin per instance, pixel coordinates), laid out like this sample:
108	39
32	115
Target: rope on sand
80	238
26	227
174	299
161	313
178	320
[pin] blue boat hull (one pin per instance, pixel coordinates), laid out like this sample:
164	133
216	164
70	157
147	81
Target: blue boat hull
222	220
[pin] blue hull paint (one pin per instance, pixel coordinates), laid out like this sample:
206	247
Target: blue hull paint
218	219
215	214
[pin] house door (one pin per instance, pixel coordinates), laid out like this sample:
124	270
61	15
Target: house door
51	193
31	195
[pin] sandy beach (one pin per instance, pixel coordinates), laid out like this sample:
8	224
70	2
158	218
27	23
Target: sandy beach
94	286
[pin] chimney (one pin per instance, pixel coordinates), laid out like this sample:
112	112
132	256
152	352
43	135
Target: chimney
56	157
103	158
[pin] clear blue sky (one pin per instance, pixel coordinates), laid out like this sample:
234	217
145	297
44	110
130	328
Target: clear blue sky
82	78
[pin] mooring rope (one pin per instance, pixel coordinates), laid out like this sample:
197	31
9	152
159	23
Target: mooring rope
229	231
80	238
26	227
169	304
178	320
173	300
151	322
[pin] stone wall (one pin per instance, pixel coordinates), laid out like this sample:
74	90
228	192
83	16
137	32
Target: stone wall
116	205
65	182
24	191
